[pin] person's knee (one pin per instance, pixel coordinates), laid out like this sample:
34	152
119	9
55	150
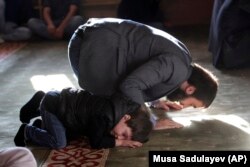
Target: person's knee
78	20
24	33
18	34
75	22
33	23
59	144
58	141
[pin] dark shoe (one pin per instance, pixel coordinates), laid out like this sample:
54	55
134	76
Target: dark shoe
30	109
37	123
19	138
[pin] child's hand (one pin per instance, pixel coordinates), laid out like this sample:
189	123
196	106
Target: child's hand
166	124
127	143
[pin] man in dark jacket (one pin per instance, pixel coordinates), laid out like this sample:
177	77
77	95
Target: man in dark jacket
108	122
142	62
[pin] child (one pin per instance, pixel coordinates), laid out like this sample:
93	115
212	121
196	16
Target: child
107	122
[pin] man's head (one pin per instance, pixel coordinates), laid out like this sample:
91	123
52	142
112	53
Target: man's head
135	126
198	91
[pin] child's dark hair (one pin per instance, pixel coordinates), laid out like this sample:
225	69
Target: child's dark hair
140	124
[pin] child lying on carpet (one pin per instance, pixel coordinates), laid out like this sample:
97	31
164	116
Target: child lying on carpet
107	122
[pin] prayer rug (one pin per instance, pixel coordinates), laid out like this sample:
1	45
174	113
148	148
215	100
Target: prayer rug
8	48
77	154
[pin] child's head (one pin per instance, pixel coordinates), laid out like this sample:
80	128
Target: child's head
135	126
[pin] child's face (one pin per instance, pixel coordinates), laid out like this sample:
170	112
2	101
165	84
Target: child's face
121	130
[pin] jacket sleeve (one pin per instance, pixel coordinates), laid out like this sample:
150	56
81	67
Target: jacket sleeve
157	70
99	136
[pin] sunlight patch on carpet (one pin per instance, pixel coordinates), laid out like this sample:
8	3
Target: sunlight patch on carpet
188	115
50	82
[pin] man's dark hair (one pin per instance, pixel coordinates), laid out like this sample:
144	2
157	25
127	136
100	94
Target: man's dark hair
140	124
206	84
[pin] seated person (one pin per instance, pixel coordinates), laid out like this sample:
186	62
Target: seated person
107	122
59	21
13	17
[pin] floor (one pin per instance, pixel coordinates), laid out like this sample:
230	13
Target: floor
44	65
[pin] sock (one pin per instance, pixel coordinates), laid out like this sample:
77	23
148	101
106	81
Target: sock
30	109
19	138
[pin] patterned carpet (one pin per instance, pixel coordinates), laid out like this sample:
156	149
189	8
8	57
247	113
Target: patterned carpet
77	154
8	48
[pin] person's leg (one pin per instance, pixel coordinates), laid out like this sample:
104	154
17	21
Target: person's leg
2	16
16	157
38	27
53	135
2	19
214	19
74	23
31	108
18	34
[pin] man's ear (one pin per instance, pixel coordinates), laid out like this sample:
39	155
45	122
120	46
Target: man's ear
190	90
126	117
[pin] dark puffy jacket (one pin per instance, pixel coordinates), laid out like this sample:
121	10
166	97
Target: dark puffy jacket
85	114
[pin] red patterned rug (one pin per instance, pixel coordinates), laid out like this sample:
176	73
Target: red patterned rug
8	48
77	154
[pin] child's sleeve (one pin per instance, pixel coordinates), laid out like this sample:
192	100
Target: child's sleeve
99	135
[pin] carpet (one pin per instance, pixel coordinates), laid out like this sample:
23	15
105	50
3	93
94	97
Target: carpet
77	154
8	48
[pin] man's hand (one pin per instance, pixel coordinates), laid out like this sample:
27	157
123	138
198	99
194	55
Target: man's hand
166	124
167	105
127	143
